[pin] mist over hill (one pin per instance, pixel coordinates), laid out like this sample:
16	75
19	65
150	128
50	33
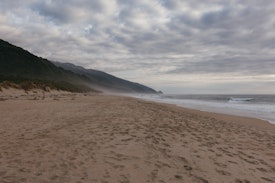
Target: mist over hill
106	82
20	66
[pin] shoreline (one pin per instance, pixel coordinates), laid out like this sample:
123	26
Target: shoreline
243	120
205	109
67	137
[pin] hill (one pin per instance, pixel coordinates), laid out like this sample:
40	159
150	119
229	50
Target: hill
106	82
22	67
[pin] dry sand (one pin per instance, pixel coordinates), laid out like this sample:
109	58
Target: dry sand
72	138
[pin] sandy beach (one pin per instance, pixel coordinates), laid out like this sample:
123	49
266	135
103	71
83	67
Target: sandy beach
53	137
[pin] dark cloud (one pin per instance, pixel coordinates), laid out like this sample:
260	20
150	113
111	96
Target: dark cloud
54	10
215	17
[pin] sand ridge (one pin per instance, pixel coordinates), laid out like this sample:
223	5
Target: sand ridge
100	138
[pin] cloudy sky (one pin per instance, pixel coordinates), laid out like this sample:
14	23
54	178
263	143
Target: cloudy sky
177	46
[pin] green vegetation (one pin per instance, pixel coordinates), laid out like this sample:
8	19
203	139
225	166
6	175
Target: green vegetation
19	68
29	84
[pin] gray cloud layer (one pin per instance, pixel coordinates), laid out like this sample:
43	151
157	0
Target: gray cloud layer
159	39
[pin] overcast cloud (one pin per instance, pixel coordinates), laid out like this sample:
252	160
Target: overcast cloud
210	46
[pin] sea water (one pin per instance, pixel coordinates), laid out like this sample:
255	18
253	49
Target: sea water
256	106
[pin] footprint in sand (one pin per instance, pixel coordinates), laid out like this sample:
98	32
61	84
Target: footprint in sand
178	176
222	172
266	179
189	168
242	181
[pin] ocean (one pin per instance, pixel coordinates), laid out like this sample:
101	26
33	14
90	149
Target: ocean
256	106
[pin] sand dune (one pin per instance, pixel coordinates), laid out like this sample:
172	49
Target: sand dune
98	138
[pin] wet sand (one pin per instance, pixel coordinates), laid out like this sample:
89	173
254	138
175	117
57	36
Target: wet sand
64	137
